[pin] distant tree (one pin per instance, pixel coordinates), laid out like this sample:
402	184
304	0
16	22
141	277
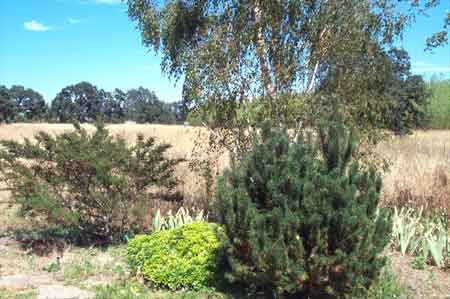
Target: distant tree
144	106
407	94
137	102
179	111
7	111
418	95
80	102
84	102
29	104
438	107
113	105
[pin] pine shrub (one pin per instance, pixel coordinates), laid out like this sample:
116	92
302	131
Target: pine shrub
184	257
301	217
91	182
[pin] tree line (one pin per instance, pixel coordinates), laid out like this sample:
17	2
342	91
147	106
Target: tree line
84	102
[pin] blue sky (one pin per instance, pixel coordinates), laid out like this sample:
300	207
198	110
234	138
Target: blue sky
50	44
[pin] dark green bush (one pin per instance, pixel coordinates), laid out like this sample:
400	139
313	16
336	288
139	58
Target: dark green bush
301	219
184	257
91	182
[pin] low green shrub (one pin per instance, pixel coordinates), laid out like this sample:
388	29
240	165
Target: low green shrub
184	257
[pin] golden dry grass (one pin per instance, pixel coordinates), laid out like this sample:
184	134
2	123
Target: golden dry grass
419	172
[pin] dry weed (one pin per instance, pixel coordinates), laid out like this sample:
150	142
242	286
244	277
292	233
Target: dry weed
419	174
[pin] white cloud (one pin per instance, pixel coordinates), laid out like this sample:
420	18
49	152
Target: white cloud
35	26
422	67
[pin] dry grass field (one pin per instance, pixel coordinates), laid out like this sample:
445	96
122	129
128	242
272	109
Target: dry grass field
419	172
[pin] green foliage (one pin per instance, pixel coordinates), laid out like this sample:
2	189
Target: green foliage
7	111
124	290
439	38
133	290
29	104
438	109
386	287
83	102
404	226
91	182
43	240
419	262
250	113
24	294
230	53
407	94
21	104
302	221
184	257
53	266
143	106
79	102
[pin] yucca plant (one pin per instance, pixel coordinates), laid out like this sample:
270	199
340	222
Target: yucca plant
180	218
428	237
405	224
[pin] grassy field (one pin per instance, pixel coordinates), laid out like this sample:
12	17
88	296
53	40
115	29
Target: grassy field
419	172
419	175
419	163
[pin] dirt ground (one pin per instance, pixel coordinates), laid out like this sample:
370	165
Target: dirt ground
429	283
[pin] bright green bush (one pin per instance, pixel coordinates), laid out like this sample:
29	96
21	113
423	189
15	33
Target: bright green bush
184	257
